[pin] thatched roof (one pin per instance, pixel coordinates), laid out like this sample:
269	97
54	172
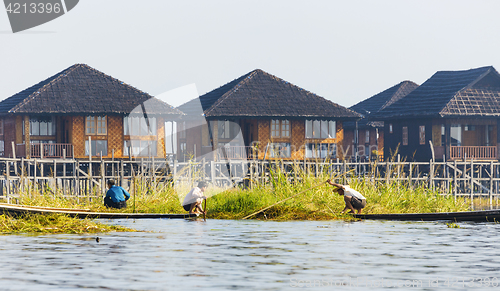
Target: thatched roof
378	102
261	95
471	93
79	90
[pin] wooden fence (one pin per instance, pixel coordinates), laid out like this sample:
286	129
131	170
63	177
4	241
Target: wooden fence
470	179
74	178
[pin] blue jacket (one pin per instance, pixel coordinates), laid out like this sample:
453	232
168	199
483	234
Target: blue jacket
117	194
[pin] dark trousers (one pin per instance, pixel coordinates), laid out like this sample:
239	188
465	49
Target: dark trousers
109	203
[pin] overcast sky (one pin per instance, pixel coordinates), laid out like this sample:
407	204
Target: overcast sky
345	51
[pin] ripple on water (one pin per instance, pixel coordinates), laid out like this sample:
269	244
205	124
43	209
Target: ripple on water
246	255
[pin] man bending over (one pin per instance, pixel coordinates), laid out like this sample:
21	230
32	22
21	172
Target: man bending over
192	201
116	196
352	198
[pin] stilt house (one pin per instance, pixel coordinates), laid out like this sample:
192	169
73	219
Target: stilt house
81	111
453	115
367	135
261	116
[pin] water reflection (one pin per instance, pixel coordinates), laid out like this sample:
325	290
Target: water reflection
249	255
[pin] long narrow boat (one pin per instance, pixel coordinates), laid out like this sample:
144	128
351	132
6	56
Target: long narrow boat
483	215
15	210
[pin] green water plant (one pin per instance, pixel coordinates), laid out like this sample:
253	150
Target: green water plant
54	223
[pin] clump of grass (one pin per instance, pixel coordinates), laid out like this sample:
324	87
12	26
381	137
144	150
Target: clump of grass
452	225
320	203
401	198
54	223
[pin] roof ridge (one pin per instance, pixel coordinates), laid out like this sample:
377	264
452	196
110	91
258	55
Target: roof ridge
475	81
447	106
233	89
86	69
402	86
490	69
254	73
118	80
44	87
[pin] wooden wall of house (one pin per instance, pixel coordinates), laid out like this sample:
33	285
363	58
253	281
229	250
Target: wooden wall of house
78	136
250	130
197	136
9	134
264	133
348	142
194	139
365	148
297	139
339	139
258	130
474	136
414	151
477	136
381	141
114	137
160	134
12	132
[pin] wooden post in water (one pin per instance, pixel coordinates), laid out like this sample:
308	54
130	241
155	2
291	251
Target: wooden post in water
387	171
89	180
21	184
54	176
141	174
455	179
398	168
472	182
76	167
14	156
7	181
64	175
103	178
121	173
491	185
135	187
251	165
34	176
410	174
447	173
431	174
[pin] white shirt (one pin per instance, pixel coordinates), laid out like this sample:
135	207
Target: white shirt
349	192
192	196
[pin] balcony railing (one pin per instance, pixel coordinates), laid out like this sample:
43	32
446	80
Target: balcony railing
51	150
475	152
236	152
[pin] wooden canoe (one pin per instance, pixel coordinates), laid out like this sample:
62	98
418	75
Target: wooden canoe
15	210
483	215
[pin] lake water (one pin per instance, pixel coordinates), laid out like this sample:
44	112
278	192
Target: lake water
258	255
